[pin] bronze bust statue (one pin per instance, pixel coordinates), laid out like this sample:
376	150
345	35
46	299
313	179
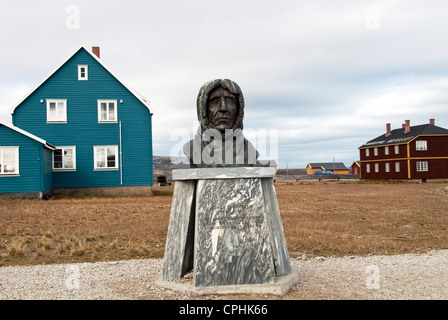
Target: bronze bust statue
219	141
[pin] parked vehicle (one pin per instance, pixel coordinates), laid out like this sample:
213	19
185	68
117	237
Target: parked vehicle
323	172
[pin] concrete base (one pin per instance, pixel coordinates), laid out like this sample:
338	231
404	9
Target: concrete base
27	195
225	225
280	287
105	191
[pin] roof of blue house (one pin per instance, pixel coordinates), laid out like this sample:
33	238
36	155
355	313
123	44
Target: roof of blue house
29	135
142	99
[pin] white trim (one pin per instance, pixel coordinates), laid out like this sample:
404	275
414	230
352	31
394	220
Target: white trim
121	155
95	158
107	101
421	145
16	161
29	135
86	72
57	101
422	166
63	148
142	99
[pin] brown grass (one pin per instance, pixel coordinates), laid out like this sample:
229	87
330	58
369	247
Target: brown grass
352	218
319	218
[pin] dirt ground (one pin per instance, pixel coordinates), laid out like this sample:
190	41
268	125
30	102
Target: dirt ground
320	219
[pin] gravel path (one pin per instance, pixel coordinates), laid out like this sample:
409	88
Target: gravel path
409	276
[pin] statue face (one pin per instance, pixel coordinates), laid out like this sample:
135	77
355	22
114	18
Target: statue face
222	109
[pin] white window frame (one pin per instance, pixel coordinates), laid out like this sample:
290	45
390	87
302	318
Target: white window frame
64	167
107	118
375	151
377	167
2	161
80	72
105	149
422	166
367	167
386	150
387	167
367	152
397	166
397	149
60	116
421	145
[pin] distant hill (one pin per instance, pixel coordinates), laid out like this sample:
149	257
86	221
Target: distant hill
163	165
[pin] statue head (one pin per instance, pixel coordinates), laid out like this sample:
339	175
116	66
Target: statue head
220	141
220	105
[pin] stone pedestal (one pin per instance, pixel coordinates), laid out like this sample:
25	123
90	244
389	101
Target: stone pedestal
225	225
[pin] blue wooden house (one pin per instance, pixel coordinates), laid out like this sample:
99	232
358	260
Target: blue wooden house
25	164
100	128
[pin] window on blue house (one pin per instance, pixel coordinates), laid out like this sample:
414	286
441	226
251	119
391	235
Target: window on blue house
57	110
107	110
82	72
105	157
64	158
9	160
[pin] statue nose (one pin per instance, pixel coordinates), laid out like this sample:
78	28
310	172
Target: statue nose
223	105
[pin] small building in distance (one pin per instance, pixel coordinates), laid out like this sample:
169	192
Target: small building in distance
335	167
356	167
410	152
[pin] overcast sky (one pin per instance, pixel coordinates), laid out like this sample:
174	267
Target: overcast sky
320	77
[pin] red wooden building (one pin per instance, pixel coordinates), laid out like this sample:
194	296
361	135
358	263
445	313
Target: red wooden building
356	167
410	152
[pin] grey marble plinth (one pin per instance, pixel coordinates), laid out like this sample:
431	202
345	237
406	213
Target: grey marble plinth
231	236
234	217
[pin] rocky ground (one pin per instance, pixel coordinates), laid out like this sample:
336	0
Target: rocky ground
395	277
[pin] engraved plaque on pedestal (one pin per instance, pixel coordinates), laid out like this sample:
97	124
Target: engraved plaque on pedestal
231	236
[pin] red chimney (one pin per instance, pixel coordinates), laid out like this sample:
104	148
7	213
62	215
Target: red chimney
388	132
407	126
432	122
96	51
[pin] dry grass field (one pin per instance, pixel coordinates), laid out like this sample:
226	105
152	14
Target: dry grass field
326	218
